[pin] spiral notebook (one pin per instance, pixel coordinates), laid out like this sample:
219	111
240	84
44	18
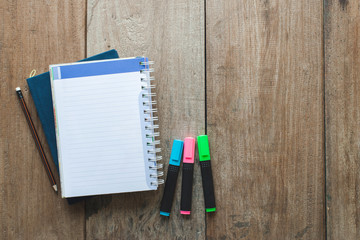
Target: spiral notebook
105	131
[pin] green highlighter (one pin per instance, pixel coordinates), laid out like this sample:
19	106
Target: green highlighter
206	173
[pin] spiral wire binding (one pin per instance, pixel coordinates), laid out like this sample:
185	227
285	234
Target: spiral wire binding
151	127
147	79
151	135
149	103
150	119
149	112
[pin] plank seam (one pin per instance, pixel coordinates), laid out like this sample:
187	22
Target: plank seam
205	89
324	118
205	74
86	26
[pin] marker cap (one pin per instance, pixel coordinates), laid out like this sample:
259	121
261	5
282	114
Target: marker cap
185	212
166	214
176	152
210	209
189	150
203	145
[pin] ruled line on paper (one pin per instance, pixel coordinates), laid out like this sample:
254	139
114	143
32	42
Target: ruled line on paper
110	169
122	182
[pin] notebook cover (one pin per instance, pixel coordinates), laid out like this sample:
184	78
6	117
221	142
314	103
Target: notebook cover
40	90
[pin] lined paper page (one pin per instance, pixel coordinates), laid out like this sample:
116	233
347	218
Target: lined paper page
99	134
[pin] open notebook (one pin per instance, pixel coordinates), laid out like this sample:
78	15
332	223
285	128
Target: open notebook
105	128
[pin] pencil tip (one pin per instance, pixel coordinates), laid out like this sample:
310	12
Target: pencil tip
55	188
17	89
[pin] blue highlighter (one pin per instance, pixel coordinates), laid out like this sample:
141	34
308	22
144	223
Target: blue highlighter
172	175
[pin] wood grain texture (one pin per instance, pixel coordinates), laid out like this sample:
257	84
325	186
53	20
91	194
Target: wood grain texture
342	100
33	35
172	34
265	118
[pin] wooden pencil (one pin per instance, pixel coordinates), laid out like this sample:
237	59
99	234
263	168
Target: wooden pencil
37	140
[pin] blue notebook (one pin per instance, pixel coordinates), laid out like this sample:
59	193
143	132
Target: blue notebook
40	90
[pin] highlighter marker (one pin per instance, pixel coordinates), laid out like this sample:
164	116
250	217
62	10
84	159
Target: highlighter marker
206	173
187	176
173	172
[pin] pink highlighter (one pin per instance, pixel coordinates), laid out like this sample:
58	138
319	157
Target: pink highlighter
187	176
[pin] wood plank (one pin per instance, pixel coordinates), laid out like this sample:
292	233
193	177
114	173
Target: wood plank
33	35
265	118
172	34
342	98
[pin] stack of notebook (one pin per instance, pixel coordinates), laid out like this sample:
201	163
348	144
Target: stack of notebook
98	119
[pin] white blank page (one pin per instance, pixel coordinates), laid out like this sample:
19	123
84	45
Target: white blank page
99	134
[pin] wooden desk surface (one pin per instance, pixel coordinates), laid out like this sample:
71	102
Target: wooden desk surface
275	84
